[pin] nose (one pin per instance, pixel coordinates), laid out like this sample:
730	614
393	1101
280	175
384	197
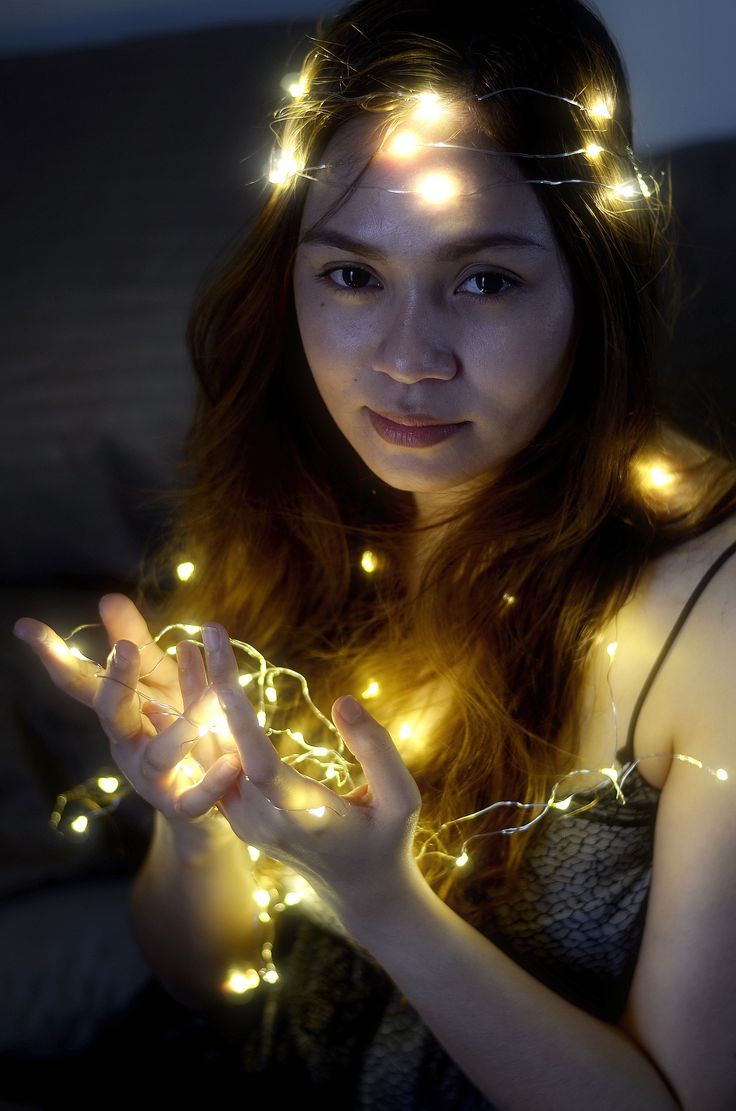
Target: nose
409	345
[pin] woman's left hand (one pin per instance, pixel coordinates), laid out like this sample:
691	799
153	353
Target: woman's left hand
358	847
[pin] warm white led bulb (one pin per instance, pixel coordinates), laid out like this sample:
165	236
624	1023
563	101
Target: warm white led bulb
462	860
185	570
368	562
403	144
79	824
318	811
371	690
108	783
436	187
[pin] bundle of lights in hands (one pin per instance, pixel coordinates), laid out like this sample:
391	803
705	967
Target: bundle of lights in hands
414	120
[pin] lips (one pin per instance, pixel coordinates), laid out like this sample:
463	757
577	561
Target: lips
415	430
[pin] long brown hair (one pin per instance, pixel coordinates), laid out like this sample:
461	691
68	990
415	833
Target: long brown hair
277	507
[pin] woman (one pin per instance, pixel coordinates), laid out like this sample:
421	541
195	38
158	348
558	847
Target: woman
436	347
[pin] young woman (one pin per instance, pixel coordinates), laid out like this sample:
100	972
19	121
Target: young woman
426	465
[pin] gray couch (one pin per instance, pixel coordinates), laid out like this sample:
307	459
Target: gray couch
125	176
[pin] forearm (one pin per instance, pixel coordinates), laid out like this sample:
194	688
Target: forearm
519	1042
193	912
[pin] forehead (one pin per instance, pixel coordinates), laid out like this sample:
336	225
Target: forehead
369	187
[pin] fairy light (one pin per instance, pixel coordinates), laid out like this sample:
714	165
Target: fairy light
271	694
239	981
371	691
101	795
369	562
601	109
509	599
436	187
185	570
429	107
593	150
404	144
284	166
261	715
79	655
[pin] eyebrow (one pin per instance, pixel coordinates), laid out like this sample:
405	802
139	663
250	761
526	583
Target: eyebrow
449	252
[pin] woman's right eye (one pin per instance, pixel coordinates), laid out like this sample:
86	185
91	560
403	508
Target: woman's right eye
351	278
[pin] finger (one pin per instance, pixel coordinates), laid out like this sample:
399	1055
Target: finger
124	621
195	801
260	759
74	676
388	777
222	667
164	751
116	702
192	672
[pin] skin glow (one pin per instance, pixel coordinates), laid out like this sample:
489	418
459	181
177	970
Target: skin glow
415	314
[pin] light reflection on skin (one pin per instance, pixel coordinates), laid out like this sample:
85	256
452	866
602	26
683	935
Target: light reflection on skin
419	335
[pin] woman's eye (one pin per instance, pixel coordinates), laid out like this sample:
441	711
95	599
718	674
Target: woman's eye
488	283
351	277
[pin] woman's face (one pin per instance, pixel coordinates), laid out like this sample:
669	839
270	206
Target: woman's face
438	328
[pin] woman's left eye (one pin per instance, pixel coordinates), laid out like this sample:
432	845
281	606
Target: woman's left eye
487	283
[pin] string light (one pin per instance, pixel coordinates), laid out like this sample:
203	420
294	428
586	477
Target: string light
75	809
185	571
368	562
427	109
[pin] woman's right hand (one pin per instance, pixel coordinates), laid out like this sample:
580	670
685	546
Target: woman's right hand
147	743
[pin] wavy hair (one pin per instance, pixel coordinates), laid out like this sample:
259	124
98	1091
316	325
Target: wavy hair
276	507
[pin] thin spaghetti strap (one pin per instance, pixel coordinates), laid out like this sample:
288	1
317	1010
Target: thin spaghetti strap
626	753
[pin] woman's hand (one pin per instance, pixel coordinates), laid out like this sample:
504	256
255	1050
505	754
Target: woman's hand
148	741
355	849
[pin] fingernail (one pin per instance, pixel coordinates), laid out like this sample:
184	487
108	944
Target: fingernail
349	709
120	657
211	637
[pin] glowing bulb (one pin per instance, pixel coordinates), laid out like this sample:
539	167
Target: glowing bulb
368	562
721	774
191	629
271	976
331	772
291	898
509	599
108	783
318	811
600	109
611	649
244	680
261	897
283	166
79	824
563	804
461	860
253	853
371	690
593	150
404	144
429	107
188	768
171	651
271	694
298	736
405	731
264	916
298	89
645	190
319	751
261	715
77	654
185	571
60	650
436	188
239	982
611	773
625	189
660	476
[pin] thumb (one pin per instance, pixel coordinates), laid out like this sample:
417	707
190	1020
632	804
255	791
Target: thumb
388	776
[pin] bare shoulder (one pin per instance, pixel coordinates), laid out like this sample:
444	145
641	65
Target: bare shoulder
682	1005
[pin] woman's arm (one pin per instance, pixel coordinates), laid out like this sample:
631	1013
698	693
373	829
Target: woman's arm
192	908
517	1040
